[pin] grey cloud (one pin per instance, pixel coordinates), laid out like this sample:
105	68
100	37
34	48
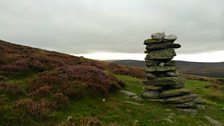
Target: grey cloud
81	26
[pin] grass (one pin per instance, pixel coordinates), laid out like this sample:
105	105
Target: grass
116	108
206	90
133	84
119	109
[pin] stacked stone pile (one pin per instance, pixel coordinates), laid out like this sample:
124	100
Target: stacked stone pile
162	83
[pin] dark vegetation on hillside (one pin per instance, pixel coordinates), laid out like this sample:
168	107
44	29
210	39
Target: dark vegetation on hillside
34	82
193	68
17	59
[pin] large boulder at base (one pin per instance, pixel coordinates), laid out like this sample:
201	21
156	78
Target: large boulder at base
163	54
181	99
164	45
151	94
174	92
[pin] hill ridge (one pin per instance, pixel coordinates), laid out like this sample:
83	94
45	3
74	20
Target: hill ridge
210	69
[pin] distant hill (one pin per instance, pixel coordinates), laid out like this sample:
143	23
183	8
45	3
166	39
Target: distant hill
195	68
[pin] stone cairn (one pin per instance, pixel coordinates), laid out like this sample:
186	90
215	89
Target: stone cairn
162	83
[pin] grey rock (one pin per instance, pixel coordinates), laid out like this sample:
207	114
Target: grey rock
200	100
171	74
163	54
156	100
160	69
150	76
150	63
152	88
174	92
128	93
151	94
168	110
201	107
158	36
161	45
132	103
190	111
172	82
181	99
150	41
136	98
213	122
162	64
186	105
170	37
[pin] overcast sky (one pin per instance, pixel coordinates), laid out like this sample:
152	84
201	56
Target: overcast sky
86	26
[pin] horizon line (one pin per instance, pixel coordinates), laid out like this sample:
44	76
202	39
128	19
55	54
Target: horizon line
215	56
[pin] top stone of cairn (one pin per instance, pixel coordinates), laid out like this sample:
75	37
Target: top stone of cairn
161	37
158	36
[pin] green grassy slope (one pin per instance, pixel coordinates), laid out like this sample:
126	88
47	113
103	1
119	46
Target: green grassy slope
118	109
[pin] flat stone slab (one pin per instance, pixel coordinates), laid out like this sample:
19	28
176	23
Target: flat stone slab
186	105
151	94
149	41
150	76
191	111
128	93
165	81
152	63
160	69
163	54
152	88
213	122
181	99
155	100
171	74
164	45
174	92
